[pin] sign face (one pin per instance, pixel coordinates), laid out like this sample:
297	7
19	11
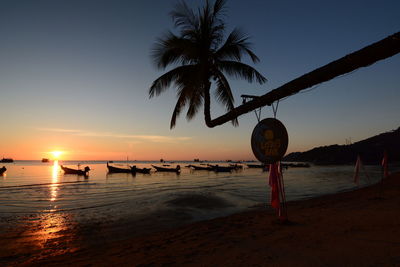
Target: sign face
269	140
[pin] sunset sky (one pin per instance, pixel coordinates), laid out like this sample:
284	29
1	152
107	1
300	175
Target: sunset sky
74	77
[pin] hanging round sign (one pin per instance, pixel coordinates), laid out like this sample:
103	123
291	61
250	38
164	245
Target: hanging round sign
269	140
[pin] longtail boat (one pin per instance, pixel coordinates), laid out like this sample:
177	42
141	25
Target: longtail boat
218	168
255	165
83	172
142	170
3	170
113	169
164	169
236	166
200	168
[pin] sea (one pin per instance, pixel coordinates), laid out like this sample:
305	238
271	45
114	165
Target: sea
40	204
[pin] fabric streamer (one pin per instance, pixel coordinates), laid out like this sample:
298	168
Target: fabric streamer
278	198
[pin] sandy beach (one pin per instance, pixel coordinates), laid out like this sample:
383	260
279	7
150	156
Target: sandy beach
358	228
129	136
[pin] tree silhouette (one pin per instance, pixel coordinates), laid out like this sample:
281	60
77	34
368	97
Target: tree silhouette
202	57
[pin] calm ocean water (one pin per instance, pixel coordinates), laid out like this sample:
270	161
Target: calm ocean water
35	187
38	193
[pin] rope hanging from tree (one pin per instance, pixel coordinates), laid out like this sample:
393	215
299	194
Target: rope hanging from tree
275	108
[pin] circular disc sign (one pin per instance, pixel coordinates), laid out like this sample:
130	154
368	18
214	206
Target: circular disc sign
269	140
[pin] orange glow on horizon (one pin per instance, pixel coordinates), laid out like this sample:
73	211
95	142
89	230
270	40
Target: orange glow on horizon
92	149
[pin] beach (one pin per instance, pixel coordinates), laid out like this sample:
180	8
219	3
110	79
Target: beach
357	228
129	136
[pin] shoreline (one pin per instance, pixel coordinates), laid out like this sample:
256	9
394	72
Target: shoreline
354	228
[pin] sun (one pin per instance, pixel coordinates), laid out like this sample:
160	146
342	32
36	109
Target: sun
56	154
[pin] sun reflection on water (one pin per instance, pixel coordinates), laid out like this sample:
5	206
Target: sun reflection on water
54	185
49	232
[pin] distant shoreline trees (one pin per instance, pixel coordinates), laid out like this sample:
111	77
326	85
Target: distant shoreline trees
371	151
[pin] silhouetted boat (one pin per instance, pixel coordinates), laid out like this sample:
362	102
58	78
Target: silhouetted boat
7	160
113	169
255	165
218	168
142	170
236	166
44	160
164	169
74	171
201	168
3	170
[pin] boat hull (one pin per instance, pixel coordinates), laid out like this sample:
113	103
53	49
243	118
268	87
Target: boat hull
73	171
113	169
217	168
255	166
163	169
201	168
143	170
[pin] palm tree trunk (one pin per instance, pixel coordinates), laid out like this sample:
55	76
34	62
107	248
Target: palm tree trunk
380	50
207	104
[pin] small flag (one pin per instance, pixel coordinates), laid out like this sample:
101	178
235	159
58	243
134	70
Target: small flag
385	165
357	170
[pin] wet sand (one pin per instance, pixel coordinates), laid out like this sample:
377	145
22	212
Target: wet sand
358	228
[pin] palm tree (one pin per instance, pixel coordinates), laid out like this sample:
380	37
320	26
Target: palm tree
203	58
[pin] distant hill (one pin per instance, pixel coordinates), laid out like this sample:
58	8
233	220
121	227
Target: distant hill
371	151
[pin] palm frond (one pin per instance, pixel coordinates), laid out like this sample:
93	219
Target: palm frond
224	94
235	46
164	81
188	91
195	103
184	18
223	91
218	19
241	70
172	49
219	7
180	104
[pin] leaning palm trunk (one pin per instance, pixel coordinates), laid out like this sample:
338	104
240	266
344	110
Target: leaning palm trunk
383	49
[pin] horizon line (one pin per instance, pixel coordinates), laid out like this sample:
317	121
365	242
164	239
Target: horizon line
226	160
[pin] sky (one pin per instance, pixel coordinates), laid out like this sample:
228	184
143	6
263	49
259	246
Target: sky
75	74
